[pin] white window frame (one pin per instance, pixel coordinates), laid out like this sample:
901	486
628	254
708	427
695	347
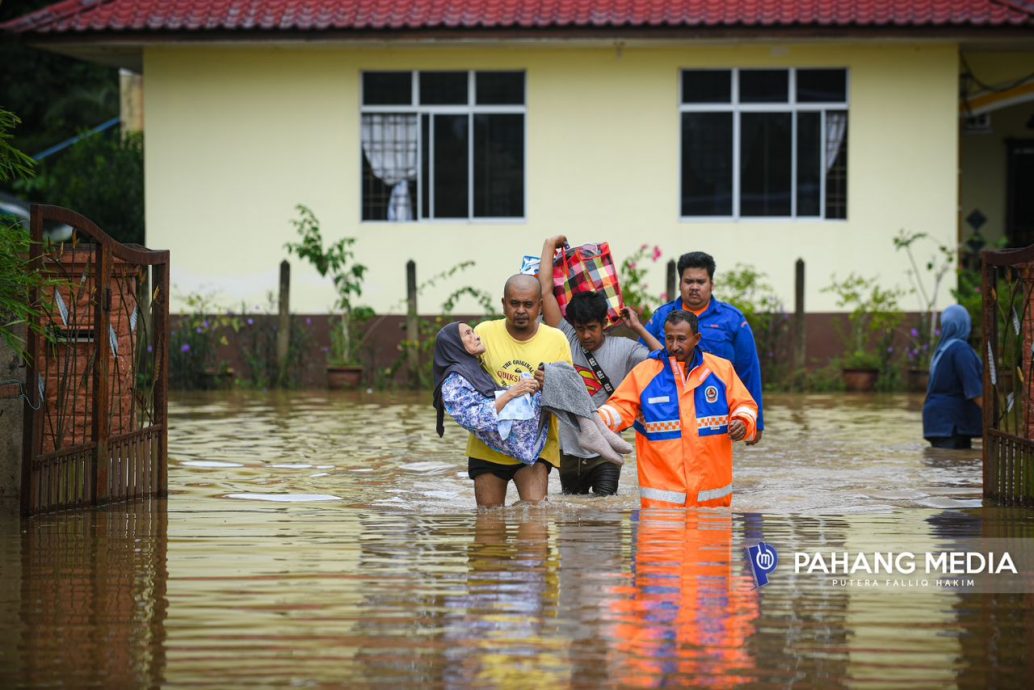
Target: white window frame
792	107
470	109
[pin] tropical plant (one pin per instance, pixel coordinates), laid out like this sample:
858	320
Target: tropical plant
423	346
926	286
17	280
101	177
748	290
337	260
632	275
874	319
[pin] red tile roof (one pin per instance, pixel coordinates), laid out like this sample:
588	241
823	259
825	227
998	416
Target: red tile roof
148	16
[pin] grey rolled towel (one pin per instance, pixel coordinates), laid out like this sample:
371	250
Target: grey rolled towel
565	396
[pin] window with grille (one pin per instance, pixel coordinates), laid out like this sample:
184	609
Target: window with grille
764	143
442	145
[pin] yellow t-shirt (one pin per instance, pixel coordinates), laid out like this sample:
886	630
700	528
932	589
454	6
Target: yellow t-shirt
506	359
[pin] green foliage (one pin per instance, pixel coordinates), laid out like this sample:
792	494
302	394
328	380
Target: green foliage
13	163
632	275
874	319
337	260
101	177
748	290
194	344
16	279
55	95
969	296
423	376
926	286
257	339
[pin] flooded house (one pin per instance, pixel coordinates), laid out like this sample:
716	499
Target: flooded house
443	132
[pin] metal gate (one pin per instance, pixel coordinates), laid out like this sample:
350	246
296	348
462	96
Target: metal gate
1008	327
97	376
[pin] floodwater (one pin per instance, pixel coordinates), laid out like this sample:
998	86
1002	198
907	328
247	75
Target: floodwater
320	541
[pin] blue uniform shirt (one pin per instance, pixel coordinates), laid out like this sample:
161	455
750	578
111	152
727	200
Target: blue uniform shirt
726	334
949	409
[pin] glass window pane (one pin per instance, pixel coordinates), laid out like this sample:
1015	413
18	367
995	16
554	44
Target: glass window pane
387	88
809	189
499	166
443	88
500	88
764	86
450	166
706	86
821	85
836	164
389	159
765	162
706	164
425	166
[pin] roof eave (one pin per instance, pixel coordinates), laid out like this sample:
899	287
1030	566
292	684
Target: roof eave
124	48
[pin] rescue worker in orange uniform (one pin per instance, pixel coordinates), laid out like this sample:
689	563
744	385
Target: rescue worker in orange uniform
688	407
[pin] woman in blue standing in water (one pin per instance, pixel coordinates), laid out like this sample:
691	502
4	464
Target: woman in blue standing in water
952	410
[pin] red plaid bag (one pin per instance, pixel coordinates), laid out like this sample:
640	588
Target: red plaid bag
588	268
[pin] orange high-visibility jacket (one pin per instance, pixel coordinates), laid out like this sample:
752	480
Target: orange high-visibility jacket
683	448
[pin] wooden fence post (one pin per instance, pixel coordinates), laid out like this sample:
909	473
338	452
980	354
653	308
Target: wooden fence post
283	334
412	323
671	281
800	355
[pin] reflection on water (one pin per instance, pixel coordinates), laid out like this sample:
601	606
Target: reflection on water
393	579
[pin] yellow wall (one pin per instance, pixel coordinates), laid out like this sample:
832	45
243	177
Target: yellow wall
237	135
982	156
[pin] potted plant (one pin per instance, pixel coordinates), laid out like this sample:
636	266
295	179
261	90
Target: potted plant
873	320
923	337
344	368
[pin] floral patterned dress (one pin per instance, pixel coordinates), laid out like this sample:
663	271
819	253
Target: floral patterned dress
476	413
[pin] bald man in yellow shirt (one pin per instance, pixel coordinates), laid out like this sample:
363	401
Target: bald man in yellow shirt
516	345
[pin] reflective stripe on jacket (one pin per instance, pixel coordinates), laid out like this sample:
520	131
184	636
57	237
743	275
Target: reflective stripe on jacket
683	447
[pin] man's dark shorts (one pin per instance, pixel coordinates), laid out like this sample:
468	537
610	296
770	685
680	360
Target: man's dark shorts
477	467
580	475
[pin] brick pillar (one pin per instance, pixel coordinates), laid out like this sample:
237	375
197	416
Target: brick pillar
10	424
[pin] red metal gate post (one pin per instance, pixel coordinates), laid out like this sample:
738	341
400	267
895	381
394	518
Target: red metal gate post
101	410
160	276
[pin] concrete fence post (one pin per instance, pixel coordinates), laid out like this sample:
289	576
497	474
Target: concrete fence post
283	334
671	281
799	333
412	322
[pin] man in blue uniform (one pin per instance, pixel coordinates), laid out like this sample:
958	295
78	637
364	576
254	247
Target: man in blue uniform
724	328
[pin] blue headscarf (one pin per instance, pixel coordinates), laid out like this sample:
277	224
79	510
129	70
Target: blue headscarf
955	327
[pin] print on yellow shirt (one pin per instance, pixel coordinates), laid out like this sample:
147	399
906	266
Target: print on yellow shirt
506	359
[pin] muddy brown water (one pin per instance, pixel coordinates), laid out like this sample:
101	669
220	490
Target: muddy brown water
317	540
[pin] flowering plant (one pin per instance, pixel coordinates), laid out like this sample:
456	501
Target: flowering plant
194	343
632	275
937	266
873	319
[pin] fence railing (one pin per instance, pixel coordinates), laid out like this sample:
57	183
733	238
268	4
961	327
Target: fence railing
95	426
1008	344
